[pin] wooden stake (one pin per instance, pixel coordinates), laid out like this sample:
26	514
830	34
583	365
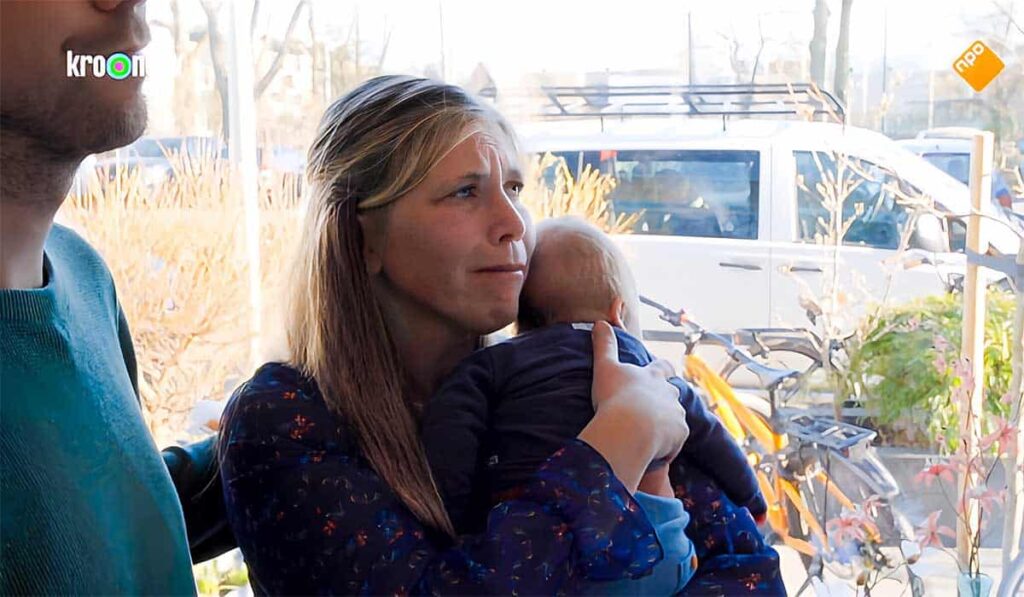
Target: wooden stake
973	345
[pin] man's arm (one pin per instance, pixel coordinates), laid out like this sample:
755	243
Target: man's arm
124	338
193	470
196	477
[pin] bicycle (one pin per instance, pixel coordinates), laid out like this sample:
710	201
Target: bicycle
809	467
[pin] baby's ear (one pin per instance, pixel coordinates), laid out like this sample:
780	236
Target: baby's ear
617	313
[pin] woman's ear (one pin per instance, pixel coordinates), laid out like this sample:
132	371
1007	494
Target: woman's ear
373	225
617	313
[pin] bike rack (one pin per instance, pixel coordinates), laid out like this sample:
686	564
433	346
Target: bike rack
847	439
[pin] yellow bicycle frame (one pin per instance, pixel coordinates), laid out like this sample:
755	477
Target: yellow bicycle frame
741	423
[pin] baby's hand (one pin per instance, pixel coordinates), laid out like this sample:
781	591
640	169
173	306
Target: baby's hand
656	482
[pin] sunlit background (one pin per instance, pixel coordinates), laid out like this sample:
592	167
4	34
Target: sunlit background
199	241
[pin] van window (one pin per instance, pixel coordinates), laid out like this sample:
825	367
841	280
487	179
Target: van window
870	208
712	194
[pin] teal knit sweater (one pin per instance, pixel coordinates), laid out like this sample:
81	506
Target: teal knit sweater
86	502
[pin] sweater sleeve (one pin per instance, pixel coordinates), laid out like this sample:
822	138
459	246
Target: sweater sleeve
312	517
716	453
124	338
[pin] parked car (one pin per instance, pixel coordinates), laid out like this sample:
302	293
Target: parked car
283	164
731	218
150	155
949	149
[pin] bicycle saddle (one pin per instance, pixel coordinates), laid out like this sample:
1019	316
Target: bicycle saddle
770	377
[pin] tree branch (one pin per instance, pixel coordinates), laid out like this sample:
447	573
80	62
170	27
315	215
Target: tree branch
255	16
276	64
1008	16
760	48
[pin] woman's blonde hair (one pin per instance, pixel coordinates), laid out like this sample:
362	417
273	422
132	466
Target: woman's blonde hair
373	145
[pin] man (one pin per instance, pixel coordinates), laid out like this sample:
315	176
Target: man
88	504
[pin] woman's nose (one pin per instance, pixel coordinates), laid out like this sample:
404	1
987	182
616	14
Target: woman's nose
508	224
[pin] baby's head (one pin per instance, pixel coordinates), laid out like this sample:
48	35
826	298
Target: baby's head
577	274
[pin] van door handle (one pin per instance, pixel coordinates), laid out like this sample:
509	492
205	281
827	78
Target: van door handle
744	266
802	268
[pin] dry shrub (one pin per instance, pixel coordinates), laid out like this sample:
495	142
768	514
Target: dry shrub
586	197
177	254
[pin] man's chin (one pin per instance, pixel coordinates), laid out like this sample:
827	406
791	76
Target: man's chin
115	122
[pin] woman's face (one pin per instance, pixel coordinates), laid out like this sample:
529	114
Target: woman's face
455	248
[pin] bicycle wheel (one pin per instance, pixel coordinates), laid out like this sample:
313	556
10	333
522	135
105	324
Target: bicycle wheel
858	479
858	482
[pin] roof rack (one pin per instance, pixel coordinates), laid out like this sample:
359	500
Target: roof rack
773	99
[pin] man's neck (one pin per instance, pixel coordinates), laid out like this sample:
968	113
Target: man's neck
33	184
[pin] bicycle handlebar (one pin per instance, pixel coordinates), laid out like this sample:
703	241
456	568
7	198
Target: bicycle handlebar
697	334
760	341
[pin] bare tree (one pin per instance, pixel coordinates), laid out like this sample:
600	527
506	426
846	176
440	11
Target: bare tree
819	42
736	61
348	62
217	58
843	52
739	68
760	49
275	65
186	97
218	55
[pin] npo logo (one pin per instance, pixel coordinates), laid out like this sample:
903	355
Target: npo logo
116	66
978	65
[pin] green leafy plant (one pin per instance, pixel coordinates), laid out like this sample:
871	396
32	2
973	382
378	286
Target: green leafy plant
903	366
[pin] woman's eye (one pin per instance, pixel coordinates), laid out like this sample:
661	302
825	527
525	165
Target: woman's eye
515	188
465	192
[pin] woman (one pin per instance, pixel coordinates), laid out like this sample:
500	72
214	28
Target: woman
415	246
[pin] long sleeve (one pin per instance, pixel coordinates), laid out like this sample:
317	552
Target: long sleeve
453	431
733	558
716	453
193	470
124	338
709	447
312	517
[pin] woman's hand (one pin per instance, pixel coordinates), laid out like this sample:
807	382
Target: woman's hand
638	418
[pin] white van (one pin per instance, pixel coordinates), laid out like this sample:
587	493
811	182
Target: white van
730	213
949	149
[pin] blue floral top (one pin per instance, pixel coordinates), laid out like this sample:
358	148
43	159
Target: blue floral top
312	517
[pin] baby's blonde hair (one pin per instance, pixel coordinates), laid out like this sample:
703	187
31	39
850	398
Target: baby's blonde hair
576	271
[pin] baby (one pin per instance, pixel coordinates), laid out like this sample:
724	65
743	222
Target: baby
506	408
